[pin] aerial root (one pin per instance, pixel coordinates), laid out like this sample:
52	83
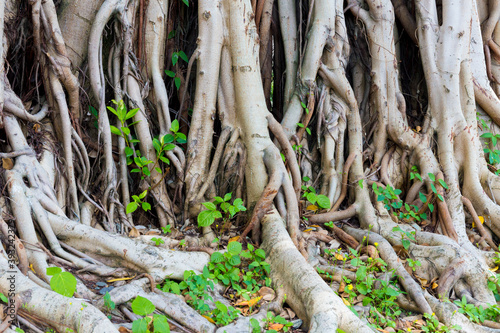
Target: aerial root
307	294
280	135
484	234
345	178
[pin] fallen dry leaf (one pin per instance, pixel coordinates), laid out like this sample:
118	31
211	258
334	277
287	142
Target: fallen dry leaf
7	163
276	327
209	319
134	233
267	293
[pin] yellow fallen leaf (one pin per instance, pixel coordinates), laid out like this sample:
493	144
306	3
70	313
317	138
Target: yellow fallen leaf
276	327
249	303
254	301
209	319
234	239
346	302
481	218
338	256
494	269
7	163
310	229
314	225
31	267
434	285
121	279
312	207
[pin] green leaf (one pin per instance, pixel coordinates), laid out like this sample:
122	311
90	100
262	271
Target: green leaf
225	206
217	257
440	197
3	298
323	201
175	126
146	206
183	56
53	270
160	323
129	151
486	135
431	208
300	124
255	324
311	197
171	34
209	205
131	207
234	248
406	243
168	138
432	177
238	203
181	138
360	183
422	197
260	253
113	110
125	130
142	306
186	2
63	283
177	82
108	302
141	325
175	58
308	131
170	73
433	188
227	197
443	184
221	306
205	218
131	113
234	260
115	130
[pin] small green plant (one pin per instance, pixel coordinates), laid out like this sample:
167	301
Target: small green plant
143	165
272	324
243	271
223	314
433	325
167	229
175	59
406	236
414	173
138	201
316	200
413	263
143	307
108	303
478	314
492	154
207	217
158	241
306	128
382	300
63	283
